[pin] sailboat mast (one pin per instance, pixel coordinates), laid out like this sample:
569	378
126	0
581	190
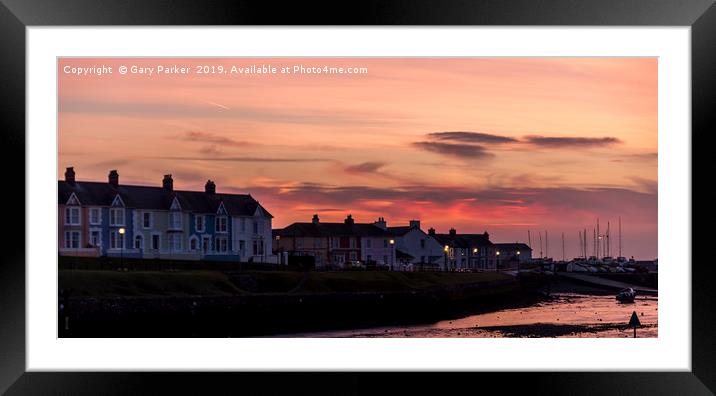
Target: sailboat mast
540	245
562	246
529	239
620	236
546	244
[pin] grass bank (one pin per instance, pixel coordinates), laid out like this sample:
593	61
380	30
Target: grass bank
215	283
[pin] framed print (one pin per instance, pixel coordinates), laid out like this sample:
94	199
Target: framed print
488	188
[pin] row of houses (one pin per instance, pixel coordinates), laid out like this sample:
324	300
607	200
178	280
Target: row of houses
112	219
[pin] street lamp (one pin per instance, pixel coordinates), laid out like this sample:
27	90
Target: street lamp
518	261
280	250
447	264
475	260
497	253
121	250
392	253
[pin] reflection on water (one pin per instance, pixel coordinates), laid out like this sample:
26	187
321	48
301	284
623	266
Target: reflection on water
564	315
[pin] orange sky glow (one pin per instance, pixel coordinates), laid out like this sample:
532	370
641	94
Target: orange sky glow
498	144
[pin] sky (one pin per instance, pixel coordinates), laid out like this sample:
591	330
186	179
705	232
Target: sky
503	145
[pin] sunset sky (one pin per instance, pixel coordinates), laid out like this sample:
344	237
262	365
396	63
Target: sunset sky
497	144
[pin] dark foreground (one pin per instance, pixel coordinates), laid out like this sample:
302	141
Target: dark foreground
209	304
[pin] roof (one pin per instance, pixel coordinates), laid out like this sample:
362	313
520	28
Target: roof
399	231
464	241
332	229
513	246
157	198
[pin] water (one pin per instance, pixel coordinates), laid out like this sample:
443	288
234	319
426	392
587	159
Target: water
564	315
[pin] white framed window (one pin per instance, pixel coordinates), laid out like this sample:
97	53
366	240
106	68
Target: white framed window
257	229
116	240
242	246
200	223
147	220
175	221
242	225
72	239
369	243
175	242
116	216
221	224
352	242
95	216
222	245
95	237
139	242
72	215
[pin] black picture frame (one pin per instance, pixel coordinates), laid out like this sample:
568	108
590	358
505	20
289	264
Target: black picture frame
16	15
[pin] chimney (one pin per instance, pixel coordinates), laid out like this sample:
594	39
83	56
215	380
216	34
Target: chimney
315	219
114	178
453	232
70	175
431	231
349	220
486	235
415	224
168	182
381	223
210	187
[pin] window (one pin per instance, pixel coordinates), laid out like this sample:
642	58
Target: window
242	246
242	222
352	242
147	220
193	244
175	220
385	259
72	239
95	238
138	242
221	224
205	245
368	243
258	248
256	227
95	215
385	243
422	243
336	243
353	256
316	242
299	243
175	242
116	240
199	223
116	216
222	245
72	215
155	242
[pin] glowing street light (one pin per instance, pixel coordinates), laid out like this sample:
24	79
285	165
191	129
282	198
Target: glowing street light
392	253
121	251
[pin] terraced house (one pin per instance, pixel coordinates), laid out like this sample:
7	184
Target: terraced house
111	219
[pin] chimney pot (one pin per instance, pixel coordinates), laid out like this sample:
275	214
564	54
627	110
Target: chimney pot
415	224
168	182
210	187
431	231
114	177
453	232
315	219
70	175
349	220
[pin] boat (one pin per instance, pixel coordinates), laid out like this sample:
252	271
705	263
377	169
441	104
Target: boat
626	295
